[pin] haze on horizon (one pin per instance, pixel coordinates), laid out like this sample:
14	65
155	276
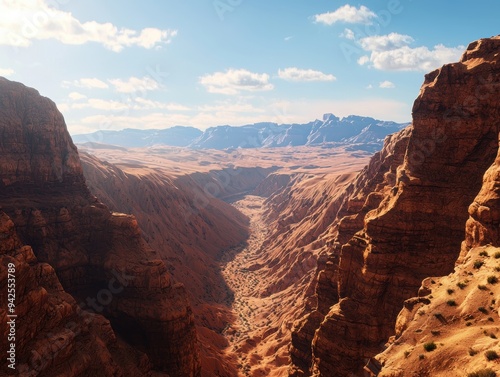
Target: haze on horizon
117	65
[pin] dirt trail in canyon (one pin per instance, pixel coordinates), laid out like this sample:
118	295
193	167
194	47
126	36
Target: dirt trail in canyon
250	312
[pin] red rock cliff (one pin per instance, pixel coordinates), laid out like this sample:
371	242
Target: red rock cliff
99	257
394	237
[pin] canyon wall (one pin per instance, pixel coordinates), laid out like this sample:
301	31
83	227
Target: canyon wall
182	218
458	313
410	223
81	253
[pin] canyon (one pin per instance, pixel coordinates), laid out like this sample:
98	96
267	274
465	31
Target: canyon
289	260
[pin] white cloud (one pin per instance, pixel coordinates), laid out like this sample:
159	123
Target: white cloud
385	42
146	104
288	38
347	14
392	52
23	21
75	96
348	34
100	104
243	111
134	84
415	59
234	81
296	74
363	60
386	85
6	71
88	83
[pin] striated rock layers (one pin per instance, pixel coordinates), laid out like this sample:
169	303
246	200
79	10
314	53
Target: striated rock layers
446	311
404	216
101	262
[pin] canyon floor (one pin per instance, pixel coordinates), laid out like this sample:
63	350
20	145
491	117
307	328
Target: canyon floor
247	294
254	314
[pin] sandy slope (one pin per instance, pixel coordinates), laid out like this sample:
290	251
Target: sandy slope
459	313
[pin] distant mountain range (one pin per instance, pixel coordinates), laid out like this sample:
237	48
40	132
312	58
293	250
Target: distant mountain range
354	131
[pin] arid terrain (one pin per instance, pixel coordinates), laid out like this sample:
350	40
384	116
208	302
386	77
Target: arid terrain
251	284
309	261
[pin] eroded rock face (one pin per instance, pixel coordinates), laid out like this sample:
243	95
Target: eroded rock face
51	327
99	257
362	196
416	228
482	227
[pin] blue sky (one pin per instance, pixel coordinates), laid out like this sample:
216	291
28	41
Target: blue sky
150	64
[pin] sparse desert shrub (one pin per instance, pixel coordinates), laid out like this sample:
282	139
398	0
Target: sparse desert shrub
491	319
493	336
472	352
492	279
407	353
491	355
478	264
450	291
483	253
421	356
483	373
497	255
451	303
482	309
497	268
468	324
430	346
482	287
435	332
462	284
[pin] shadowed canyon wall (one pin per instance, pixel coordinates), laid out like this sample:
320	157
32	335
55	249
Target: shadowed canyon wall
82	256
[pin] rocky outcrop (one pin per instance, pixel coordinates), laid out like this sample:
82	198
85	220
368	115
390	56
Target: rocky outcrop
452	310
363	195
100	257
49	324
415	227
482	227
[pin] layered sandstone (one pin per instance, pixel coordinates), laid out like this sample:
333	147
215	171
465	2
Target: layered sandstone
415	228
457	312
51	327
100	257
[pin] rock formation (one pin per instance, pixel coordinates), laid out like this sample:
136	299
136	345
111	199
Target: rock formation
406	228
99	258
457	312
51	326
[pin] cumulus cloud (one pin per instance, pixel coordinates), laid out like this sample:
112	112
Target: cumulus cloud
6	71
75	96
134	84
88	83
386	85
415	59
348	34
296	74
347	14
234	81
23	21
385	42
392	52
